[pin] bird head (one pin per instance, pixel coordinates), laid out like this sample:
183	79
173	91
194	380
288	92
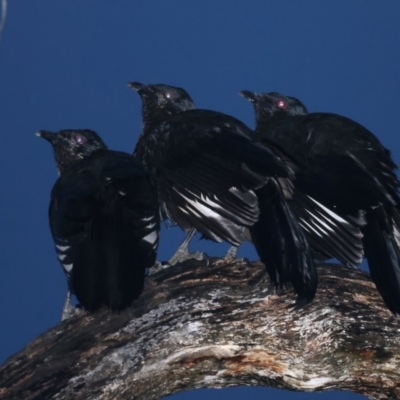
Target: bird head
159	102
171	99
267	105
72	145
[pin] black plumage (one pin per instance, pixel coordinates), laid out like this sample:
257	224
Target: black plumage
347	169
104	219
208	170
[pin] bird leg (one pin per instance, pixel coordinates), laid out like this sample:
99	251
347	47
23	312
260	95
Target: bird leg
68	309
183	253
231	253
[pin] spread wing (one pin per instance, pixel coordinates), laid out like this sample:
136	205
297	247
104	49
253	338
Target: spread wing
206	170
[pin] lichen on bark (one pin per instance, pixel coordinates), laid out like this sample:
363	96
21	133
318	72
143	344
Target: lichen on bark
217	325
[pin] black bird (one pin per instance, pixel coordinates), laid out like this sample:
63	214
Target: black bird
210	174
104	219
346	169
330	235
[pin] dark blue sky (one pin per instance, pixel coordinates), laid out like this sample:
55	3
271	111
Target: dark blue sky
65	64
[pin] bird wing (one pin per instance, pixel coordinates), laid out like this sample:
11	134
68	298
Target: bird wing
206	171
104	219
138	197
72	212
343	147
339	157
328	232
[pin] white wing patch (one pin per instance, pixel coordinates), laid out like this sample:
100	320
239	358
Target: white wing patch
309	227
330	212
200	208
151	237
320	221
68	267
63	257
148	218
62	248
183	210
396	233
150	226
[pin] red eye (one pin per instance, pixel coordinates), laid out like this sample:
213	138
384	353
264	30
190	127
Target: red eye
80	139
281	103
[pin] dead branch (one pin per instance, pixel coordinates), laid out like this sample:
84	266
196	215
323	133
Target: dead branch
217	326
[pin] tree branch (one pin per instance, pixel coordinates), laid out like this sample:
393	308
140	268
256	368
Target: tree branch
217	326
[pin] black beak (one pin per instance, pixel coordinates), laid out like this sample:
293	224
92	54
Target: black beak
142	90
48	135
248	95
256	99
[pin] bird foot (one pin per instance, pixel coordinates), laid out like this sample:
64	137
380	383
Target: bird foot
158	266
162	265
181	256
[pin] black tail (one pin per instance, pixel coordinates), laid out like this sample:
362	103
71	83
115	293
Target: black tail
89	274
281	244
109	268
383	254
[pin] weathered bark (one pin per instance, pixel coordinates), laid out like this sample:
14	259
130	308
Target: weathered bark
222	325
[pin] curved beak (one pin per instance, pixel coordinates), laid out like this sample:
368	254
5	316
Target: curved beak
251	96
142	90
48	135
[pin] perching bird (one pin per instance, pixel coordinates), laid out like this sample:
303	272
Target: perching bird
330	235
208	170
347	169
104	219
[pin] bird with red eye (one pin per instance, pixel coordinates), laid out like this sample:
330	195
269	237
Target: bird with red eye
104	220
345	168
71	145
281	103
80	139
